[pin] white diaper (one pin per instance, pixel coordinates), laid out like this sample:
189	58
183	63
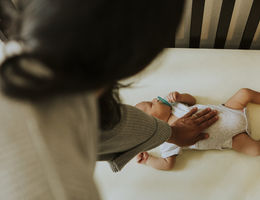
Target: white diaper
231	122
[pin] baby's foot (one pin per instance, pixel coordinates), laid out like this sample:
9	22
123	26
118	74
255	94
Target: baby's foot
142	157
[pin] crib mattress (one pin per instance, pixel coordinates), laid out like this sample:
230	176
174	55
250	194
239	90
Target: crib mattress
212	76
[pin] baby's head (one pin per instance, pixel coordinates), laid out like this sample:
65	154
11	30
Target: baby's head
156	109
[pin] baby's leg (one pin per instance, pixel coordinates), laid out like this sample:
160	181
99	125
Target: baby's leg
244	144
242	98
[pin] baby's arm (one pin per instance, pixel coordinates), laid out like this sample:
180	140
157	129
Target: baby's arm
156	162
182	98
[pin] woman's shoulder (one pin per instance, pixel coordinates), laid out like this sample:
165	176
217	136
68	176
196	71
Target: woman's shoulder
69	108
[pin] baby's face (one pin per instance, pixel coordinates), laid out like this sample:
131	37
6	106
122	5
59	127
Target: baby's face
156	109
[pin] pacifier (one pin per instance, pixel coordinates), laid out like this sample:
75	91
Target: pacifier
164	101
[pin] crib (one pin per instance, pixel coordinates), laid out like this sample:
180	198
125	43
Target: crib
214	53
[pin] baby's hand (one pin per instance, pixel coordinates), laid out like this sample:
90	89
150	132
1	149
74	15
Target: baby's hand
142	157
173	97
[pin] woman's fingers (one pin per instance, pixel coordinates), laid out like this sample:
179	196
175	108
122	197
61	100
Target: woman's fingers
204	118
201	136
208	122
201	113
191	112
201	118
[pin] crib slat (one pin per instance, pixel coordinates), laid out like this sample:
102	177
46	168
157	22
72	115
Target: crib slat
224	22
251	26
196	22
2	36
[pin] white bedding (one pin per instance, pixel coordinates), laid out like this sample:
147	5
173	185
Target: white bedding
212	76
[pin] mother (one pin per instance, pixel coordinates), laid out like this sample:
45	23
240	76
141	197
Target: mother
71	53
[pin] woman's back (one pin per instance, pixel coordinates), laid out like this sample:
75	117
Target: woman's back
43	148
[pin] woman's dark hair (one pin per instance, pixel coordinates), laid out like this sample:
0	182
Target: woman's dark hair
109	103
6	9
88	44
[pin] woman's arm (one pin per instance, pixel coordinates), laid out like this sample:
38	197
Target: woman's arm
156	162
182	98
137	132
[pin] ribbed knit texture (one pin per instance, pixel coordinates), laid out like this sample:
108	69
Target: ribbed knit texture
135	133
48	150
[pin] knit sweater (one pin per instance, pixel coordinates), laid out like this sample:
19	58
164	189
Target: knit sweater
48	149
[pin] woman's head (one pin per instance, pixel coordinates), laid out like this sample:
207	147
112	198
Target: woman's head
92	43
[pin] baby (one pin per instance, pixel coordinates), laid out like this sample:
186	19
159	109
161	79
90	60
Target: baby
231	131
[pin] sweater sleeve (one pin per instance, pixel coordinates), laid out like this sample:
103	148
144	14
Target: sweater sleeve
135	133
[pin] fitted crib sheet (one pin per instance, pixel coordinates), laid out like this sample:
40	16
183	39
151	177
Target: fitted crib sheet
212	76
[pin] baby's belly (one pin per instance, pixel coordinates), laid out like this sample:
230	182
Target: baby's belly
231	122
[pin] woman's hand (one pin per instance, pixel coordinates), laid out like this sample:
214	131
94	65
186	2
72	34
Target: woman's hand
187	130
